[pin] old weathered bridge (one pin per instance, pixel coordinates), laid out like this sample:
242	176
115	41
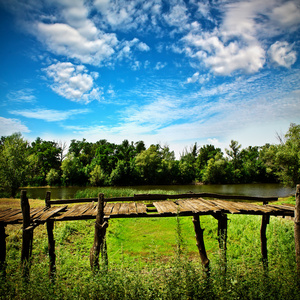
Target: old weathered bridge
139	206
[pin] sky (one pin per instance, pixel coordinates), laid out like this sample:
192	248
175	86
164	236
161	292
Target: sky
169	72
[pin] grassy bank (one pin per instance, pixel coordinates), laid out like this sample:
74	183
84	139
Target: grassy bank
145	263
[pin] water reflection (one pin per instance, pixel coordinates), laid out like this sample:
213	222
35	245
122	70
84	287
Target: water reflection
259	189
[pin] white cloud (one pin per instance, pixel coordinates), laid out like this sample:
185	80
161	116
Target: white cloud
48	115
194	78
65	40
73	82
143	47
178	16
281	53
159	65
25	95
287	14
10	126
238	43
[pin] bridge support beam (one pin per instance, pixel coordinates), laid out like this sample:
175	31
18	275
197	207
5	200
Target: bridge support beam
99	237
200	243
2	250
51	241
263	238
27	236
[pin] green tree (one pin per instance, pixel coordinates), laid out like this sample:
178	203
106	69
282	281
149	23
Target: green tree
287	157
148	163
73	172
44	156
53	177
215	171
97	176
235	162
13	163
205	153
187	165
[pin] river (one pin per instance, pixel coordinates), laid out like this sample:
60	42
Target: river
254	189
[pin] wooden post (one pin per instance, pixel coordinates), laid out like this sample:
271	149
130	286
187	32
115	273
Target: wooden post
99	237
51	241
200	243
27	236
222	232
297	228
2	250
263	238
222	238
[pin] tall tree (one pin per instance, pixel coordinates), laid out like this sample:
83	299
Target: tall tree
44	156
288	157
13	163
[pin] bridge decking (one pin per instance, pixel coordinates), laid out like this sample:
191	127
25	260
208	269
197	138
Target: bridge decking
165	208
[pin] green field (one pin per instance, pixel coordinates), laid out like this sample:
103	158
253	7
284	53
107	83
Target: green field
157	258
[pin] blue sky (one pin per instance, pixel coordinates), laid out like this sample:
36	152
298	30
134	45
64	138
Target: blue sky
168	72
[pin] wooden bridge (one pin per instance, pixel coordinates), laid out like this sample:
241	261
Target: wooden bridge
139	206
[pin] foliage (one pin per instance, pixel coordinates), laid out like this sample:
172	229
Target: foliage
103	163
53	177
43	156
13	163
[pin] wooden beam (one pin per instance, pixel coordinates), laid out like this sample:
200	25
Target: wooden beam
297	228
263	238
51	241
99	236
200	243
27	236
222	237
2	250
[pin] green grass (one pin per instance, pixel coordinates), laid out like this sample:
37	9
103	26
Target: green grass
144	261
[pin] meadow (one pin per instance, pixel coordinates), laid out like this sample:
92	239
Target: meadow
155	258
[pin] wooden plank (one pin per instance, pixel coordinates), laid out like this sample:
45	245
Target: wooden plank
9	214
124	208
202	205
226	205
78	211
51	212
68	212
108	208
115	209
185	206
14	218
164	207
37	212
132	209
141	208
283	207
90	210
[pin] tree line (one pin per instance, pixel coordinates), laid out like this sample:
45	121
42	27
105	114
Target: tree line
130	163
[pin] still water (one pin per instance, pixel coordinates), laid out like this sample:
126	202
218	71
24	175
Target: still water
259	189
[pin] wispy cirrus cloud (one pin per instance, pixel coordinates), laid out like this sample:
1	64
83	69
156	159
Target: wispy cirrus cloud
25	95
48	115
